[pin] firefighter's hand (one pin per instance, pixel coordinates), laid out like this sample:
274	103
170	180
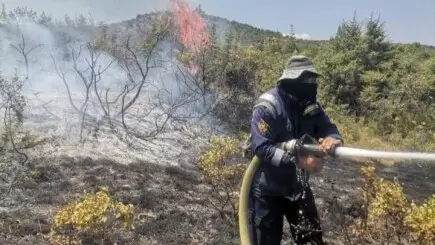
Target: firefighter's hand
328	144
312	164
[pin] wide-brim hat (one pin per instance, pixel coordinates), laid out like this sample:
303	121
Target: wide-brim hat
296	66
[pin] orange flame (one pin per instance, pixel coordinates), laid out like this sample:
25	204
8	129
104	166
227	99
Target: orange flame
192	28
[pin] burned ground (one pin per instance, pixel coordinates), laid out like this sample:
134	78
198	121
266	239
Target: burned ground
170	202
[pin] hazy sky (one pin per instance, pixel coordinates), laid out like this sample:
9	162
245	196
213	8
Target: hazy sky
406	21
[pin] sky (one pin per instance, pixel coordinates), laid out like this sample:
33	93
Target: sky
405	21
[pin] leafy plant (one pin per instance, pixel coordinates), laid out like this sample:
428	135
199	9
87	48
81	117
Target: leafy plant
421	221
223	170
95	214
390	216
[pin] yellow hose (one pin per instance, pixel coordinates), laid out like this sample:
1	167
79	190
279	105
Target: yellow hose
244	202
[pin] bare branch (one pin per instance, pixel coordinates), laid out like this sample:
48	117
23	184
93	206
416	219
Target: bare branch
82	125
87	83
96	75
44	106
62	76
143	70
7	120
22	49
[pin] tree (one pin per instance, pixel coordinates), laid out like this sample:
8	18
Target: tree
24	51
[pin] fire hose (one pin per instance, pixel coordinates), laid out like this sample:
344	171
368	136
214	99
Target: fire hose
312	148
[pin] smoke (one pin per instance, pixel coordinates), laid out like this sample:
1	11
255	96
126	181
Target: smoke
303	36
54	60
108	11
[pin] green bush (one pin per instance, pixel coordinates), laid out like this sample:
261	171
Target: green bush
389	216
92	214
223	169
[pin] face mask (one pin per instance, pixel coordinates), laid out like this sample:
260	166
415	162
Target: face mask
302	92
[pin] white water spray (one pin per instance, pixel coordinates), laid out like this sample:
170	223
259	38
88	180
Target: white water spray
348	152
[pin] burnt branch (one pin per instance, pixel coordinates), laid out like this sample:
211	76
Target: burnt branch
44	106
61	75
8	123
136	57
133	60
13	104
95	74
22	49
87	83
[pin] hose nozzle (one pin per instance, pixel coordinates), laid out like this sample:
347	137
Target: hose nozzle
304	146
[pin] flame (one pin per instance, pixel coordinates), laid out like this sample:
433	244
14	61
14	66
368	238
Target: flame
192	27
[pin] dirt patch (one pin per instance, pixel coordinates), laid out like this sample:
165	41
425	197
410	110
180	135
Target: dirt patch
165	214
166	211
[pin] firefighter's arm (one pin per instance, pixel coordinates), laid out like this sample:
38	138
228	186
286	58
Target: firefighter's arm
325	127
327	132
263	132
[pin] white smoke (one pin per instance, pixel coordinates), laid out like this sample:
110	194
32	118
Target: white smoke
303	36
108	11
50	113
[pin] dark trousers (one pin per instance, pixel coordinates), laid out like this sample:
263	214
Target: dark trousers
268	216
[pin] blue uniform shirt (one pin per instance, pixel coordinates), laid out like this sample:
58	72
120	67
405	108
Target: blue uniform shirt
285	123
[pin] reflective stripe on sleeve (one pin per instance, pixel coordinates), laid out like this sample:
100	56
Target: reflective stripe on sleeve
277	156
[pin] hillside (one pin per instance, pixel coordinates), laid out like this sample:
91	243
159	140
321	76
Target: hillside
124	134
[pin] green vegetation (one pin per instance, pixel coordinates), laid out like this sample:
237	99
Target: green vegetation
223	169
390	216
95	214
380	94
385	90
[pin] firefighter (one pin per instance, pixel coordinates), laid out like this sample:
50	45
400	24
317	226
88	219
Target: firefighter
280	186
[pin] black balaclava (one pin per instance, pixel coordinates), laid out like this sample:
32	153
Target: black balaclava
300	90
